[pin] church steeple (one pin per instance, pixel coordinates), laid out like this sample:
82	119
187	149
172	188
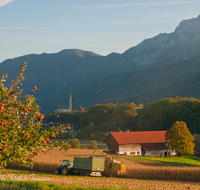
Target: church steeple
70	102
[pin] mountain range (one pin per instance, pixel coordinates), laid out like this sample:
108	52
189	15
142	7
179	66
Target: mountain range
157	67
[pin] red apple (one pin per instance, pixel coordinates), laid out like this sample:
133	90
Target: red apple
28	136
0	147
40	117
1	107
47	139
19	131
25	110
44	141
37	153
56	132
24	117
6	149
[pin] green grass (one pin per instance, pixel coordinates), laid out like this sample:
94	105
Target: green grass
38	185
175	160
73	135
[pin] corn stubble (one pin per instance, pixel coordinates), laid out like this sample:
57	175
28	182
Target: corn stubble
140	176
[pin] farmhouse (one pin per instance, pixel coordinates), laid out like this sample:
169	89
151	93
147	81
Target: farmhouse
145	143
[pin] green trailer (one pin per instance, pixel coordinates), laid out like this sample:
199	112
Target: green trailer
92	166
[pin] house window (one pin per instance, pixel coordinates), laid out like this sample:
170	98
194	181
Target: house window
124	153
138	152
132	153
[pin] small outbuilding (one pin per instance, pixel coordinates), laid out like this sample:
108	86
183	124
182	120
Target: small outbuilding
145	143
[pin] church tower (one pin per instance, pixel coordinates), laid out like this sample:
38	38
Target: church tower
70	102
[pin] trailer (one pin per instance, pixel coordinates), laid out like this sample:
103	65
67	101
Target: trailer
92	166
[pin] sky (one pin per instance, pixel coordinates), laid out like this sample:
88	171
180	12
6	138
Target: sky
100	26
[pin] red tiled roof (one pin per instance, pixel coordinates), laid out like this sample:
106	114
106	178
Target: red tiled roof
138	137
154	146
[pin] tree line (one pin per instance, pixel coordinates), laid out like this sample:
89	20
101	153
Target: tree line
160	115
108	117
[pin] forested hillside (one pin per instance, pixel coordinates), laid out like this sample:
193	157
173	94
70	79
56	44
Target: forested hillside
161	114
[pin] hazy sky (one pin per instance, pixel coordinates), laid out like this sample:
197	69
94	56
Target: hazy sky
101	26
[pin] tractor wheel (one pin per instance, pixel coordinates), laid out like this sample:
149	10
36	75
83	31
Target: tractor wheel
82	173
65	171
56	171
113	174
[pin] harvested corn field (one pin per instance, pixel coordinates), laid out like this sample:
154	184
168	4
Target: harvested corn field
136	168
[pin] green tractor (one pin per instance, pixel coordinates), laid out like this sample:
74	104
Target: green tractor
64	169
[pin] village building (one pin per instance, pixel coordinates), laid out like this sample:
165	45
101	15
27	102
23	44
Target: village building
66	107
145	143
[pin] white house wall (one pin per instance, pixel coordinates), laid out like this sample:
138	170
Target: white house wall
130	150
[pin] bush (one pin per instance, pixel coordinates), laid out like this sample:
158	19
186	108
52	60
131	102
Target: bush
74	143
94	145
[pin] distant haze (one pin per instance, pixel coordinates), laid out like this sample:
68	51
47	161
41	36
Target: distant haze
103	27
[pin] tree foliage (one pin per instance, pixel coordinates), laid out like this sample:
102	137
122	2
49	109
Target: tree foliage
74	143
80	109
179	138
161	114
108	117
87	133
94	145
21	137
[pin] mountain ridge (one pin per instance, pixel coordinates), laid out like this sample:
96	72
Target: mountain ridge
72	69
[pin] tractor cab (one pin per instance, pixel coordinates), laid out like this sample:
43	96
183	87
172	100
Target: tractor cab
64	168
68	163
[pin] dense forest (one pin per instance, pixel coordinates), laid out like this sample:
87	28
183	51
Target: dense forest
109	117
161	114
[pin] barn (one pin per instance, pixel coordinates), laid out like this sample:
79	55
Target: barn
145	143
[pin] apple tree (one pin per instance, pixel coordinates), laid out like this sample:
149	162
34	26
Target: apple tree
21	134
179	138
